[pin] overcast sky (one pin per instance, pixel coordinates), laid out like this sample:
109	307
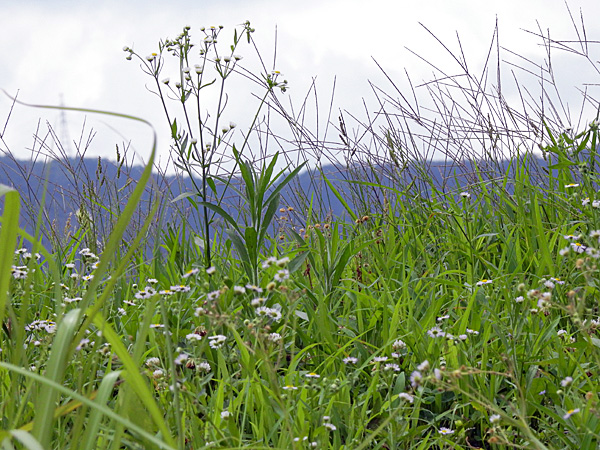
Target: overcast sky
71	52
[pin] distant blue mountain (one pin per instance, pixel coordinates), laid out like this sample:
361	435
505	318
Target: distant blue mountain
100	188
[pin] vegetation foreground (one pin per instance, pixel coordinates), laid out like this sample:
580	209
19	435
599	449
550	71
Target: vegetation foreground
446	320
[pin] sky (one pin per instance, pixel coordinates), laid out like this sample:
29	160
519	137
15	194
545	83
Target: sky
71	53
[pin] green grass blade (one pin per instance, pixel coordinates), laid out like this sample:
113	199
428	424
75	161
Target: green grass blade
8	238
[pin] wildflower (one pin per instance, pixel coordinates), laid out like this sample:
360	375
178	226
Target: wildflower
380	359
289	387
190	273
465	195
213	295
282	275
268	262
350	360
424	366
416	378
225	415
282	262
158	373
312	375
585	201
82	344
446	431
152	280
18	273
254	288
239	290
436	332
199	312
484	281
398	344
570	413
495	418
564	251
392	366
180	359
204	367
596	204
193	337
577	247
211	270
442	318
72	300
70	266
566	382
157	325
406	397
549	284
274	337
593	252
572	185
121	312
151	362
258	302
272	313
180	288
217	341
330	426
165	81
572	237
544	304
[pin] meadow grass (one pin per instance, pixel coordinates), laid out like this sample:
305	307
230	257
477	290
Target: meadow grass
437	318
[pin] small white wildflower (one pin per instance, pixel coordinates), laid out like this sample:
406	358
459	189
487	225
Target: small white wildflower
564	251
274	337
392	366
204	367
180	359
406	397
398	344
239	290
495	418
416	378
217	341
225	415
191	272
436	332
424	366
570	412
152	362
566	382
482	282
281	275
350	360
193	337
446	431
519	299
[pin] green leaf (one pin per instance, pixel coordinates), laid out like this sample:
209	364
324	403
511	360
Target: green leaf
45	403
340	198
8	238
224	214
